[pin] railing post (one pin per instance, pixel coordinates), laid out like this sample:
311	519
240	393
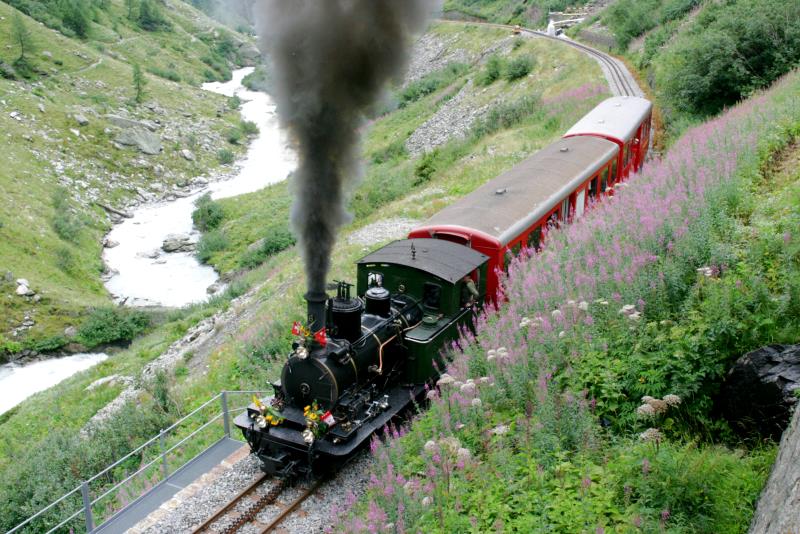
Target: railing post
87	507
226	422
162	439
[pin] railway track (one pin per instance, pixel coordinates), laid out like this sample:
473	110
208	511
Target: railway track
244	511
620	81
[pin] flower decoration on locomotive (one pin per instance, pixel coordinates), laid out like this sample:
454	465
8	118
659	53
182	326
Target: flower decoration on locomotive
269	415
318	422
298	329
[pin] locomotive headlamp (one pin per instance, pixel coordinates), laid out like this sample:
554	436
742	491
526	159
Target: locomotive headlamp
308	436
301	352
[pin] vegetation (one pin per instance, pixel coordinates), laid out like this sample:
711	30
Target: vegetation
431	83
588	398
208	214
111	325
530	12
139	83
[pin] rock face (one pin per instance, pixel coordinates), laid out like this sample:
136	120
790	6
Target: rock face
758	393
778	508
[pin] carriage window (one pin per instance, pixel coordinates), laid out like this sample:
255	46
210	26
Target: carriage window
614	176
375	279
593	187
535	238
431	295
516	248
564	209
626	158
604	179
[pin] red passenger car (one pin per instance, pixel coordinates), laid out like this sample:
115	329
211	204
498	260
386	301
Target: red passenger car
512	211
624	120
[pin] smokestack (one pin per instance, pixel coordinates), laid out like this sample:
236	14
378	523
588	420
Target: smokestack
316	310
331	60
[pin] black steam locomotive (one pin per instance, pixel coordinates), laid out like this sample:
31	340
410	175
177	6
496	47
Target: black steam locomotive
364	359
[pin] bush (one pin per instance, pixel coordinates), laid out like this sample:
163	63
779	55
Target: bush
395	150
491	72
225	156
168	74
208	214
75	15
518	68
234	136
213	241
64	259
111	325
276	239
151	18
248	128
66	224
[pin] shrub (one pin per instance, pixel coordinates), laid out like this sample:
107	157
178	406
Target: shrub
248	128
426	167
66	223
213	241
491	72
225	156
396	149
506	115
75	15
518	68
168	74
234	136
208	214
277	238
151	18
110	325
64	259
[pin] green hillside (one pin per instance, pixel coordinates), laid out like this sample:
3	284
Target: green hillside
65	111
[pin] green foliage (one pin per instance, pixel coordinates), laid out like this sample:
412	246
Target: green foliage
167	74
431	83
491	71
150	17
225	156
394	151
76	16
248	128
506	115
277	238
426	167
518	67
729	51
66	223
211	243
258	80
234	136
111	325
139	84
22	36
208	214
64	259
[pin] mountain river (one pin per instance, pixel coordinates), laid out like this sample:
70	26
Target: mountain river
170	279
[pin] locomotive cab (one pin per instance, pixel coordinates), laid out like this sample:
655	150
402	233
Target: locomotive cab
372	358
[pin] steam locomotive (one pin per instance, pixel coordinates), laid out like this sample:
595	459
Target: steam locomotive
363	359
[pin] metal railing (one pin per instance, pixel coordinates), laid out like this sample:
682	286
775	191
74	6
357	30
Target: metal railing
84	489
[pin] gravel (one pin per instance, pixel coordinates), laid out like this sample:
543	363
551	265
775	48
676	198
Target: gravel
381	231
196	503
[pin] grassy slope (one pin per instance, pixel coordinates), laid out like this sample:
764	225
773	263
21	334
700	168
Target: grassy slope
509	11
253	356
84	77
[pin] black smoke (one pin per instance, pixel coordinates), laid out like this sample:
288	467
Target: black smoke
330	61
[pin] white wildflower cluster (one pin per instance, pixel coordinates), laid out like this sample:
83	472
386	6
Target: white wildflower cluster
708	272
445	380
651	434
652	406
499	430
601	302
501	355
630	311
583	306
562	334
448	446
556	314
524	323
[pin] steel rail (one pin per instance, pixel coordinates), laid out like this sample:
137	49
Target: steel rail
292	507
226	508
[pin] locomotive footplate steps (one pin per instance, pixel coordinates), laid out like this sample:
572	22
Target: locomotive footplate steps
282	448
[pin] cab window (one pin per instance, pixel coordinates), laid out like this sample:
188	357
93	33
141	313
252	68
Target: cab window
431	295
375	279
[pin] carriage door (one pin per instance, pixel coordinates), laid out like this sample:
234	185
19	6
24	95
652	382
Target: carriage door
580	203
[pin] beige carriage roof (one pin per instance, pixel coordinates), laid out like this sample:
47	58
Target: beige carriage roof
516	199
616	117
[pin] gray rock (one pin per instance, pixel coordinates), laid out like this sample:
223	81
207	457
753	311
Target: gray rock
177	243
23	282
47	54
125	123
110	243
187	154
37	298
16	115
25	291
81	119
214	288
757	396
777	509
256	245
70	332
41	108
147	142
150	254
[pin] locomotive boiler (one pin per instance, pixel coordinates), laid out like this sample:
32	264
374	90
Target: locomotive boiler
361	360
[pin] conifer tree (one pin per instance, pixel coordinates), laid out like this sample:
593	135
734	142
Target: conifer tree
21	36
139	83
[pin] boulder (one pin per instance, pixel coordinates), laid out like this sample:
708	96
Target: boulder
70	332
110	243
81	119
177	243
777	509
126	123
757	396
23	282
187	154
25	291
147	142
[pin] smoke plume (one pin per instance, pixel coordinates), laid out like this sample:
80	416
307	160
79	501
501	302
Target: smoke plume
330	60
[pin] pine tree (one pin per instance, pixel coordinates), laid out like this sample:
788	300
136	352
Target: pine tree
21	36
139	83
130	4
